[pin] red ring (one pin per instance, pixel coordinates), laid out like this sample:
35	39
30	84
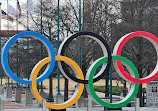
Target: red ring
134	34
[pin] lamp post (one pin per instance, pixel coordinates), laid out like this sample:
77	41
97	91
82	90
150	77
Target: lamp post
58	71
17	62
41	68
80	39
8	37
28	59
41	44
17	42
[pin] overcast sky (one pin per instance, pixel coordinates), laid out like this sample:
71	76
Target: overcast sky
4	7
13	3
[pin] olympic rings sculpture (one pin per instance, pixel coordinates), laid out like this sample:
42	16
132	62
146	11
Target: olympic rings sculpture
106	60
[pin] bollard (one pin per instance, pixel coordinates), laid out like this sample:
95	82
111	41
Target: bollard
1	104
43	95
137	104
89	105
28	97
8	92
76	104
44	108
18	95
82	103
59	99
2	90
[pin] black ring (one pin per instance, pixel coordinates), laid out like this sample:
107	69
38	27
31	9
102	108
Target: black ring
67	42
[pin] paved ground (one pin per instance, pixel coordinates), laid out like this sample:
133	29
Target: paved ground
124	109
12	106
9	105
85	109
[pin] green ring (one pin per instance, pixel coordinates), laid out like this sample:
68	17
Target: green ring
121	103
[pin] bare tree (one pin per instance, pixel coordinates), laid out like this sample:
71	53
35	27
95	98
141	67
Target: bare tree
139	15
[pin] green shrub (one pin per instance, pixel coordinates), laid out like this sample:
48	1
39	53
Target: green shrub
144	90
115	89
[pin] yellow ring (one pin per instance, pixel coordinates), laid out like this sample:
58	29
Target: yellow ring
74	98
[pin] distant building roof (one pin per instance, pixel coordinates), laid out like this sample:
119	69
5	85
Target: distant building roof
11	32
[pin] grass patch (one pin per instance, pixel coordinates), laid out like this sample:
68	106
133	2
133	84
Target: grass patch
115	89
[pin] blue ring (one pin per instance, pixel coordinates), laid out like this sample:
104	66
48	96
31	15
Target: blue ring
5	51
